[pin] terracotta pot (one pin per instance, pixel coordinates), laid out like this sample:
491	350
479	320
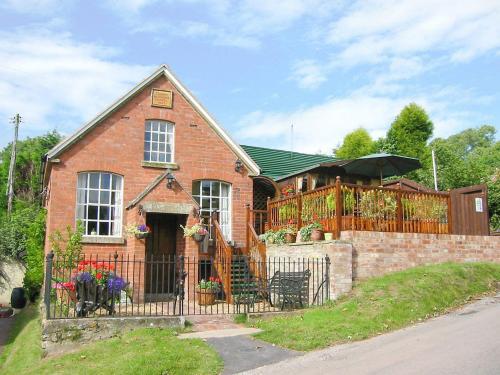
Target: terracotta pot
290	238
317	235
205	297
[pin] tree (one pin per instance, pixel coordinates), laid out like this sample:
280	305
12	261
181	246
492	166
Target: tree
357	143
27	187
410	131
467	158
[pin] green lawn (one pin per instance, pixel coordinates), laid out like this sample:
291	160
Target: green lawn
144	351
382	304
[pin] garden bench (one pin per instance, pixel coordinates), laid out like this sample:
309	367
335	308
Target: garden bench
289	288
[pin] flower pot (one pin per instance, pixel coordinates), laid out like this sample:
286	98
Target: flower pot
290	238
328	236
141	235
205	297
199	237
317	235
299	237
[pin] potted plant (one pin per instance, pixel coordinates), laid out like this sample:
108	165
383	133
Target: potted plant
97	286
207	290
138	231
312	232
290	234
198	231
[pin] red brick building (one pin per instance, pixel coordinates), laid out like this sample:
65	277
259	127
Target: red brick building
113	173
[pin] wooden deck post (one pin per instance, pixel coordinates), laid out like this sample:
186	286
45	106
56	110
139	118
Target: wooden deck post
450	215
338	207
299	210
399	210
269	217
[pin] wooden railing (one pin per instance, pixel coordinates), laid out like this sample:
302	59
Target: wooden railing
258	219
223	259
255	249
363	208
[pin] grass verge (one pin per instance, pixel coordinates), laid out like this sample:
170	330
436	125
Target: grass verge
143	351
382	304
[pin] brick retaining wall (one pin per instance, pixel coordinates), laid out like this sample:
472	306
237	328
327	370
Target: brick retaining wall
359	255
376	253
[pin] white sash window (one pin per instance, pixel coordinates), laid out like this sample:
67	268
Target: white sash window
99	203
214	196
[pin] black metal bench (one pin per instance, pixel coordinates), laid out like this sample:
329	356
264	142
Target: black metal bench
289	289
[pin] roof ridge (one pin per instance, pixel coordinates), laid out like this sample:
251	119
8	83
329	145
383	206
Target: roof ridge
295	152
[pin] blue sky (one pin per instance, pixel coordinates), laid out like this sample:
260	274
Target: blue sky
327	67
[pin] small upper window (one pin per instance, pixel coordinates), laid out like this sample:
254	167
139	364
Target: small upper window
159	141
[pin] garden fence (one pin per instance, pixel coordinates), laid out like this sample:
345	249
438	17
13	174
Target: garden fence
122	285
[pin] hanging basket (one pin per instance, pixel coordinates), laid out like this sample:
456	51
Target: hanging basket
199	237
141	235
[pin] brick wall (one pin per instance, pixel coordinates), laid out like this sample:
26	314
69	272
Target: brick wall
376	253
359	255
116	145
340	257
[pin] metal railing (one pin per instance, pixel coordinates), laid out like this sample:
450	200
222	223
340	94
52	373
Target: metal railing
123	285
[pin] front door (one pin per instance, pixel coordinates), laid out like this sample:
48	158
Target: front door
160	255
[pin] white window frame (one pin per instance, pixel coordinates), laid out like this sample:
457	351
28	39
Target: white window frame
158	133
117	220
225	223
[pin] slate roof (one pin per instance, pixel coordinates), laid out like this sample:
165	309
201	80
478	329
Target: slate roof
278	163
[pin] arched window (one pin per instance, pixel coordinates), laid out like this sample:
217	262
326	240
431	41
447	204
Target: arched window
99	203
214	196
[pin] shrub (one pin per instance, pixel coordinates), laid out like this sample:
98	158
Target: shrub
33	278
14	231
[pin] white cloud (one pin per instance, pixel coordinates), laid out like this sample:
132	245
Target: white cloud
240	24
308	74
322	127
377	30
54	81
34	6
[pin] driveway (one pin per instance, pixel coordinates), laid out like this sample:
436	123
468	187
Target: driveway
463	342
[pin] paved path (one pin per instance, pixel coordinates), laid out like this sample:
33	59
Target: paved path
463	342
239	351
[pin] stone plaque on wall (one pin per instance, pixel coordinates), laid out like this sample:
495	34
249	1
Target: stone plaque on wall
162	98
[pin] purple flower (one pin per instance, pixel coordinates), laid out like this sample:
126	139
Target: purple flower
116	284
143	228
84	277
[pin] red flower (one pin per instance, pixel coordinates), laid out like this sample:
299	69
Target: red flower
98	276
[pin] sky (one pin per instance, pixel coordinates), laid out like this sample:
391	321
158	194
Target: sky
327	67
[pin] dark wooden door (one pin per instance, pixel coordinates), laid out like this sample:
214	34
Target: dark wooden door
470	210
160	254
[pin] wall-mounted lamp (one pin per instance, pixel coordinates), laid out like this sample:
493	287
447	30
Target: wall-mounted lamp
170	179
238	166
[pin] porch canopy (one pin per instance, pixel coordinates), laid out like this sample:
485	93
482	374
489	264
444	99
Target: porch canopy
381	165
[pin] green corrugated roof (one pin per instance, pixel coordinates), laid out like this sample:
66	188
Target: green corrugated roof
277	163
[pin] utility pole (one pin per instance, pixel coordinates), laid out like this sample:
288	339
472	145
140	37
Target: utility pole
10	183
434	170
